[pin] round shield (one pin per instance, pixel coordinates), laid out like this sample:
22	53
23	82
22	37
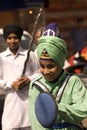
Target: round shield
46	109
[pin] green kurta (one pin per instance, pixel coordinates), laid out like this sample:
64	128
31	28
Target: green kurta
72	107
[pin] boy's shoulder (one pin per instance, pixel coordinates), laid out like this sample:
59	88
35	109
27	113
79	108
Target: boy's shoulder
36	79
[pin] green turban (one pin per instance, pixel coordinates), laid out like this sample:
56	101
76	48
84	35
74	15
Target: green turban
56	48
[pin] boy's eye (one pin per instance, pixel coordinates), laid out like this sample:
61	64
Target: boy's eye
12	38
50	66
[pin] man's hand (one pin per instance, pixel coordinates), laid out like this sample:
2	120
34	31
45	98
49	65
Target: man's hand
20	83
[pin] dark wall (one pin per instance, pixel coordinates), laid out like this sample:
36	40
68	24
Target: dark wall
16	4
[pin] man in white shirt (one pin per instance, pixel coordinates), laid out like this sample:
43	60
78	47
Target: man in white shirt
15	114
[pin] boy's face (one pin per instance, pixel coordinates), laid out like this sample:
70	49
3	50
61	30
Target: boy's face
50	70
13	41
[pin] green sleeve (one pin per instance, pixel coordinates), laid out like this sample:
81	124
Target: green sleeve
73	105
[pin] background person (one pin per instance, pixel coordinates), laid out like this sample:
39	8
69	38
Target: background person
15	113
79	35
72	107
38	34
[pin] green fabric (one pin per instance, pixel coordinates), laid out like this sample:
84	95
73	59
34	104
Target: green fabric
55	47
73	105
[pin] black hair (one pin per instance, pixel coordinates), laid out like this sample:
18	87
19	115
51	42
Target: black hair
13	28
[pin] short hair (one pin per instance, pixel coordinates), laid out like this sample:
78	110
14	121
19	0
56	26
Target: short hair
12	28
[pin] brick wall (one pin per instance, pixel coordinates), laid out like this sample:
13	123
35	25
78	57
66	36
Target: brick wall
65	13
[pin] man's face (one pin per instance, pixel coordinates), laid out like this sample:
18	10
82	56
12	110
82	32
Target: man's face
13	41
37	36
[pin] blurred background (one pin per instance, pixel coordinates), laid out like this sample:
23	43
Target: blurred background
24	13
63	12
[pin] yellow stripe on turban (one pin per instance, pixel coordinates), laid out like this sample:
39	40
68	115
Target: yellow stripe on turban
55	47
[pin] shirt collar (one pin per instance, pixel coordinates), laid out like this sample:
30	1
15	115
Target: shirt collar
20	51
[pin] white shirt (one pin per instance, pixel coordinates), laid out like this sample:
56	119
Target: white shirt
16	106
